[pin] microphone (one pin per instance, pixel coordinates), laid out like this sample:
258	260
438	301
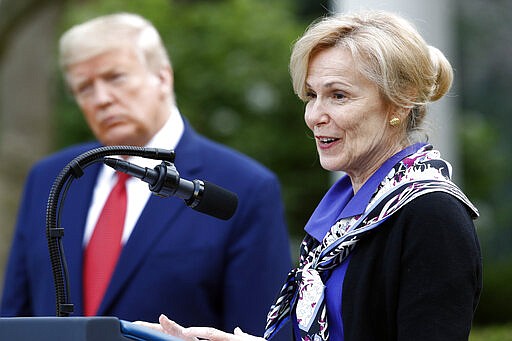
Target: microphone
164	180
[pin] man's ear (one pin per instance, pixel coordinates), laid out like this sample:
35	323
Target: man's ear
165	81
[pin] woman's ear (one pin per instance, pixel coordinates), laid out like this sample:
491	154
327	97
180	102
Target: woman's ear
398	116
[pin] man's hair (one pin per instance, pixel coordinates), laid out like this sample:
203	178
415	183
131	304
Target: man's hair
105	33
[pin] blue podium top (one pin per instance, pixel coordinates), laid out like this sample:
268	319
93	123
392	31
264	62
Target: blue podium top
76	329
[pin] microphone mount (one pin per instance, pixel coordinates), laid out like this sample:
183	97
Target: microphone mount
55	232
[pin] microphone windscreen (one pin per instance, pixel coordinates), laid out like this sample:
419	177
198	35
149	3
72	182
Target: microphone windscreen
217	201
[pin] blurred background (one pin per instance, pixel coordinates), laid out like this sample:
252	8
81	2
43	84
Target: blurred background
230	60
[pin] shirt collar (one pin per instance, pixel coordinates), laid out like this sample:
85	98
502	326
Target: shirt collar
340	202
167	137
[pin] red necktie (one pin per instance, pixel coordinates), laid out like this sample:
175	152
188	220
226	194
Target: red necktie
102	252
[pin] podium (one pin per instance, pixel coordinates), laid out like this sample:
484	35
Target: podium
76	329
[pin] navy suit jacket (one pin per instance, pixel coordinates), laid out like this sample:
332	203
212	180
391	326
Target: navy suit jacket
196	269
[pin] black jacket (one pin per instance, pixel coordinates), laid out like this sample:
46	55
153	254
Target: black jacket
416	277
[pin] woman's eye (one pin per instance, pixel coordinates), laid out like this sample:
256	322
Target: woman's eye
310	95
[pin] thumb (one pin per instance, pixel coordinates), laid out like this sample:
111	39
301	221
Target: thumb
248	337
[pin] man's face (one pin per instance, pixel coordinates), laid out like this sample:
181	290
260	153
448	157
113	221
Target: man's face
123	102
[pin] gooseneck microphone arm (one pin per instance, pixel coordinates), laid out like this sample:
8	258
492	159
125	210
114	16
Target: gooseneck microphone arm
55	232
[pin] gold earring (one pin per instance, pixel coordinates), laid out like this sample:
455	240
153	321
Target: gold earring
395	121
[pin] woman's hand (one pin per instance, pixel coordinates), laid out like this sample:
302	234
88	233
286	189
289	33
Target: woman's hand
154	326
200	333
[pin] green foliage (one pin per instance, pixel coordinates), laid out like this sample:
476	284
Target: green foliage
492	333
230	61
487	169
481	138
494	306
70	123
484	75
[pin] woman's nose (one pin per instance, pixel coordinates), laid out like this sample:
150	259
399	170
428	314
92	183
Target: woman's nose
315	113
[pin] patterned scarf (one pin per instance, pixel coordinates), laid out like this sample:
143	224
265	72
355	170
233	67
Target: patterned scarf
418	174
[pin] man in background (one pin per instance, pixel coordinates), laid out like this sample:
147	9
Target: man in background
167	258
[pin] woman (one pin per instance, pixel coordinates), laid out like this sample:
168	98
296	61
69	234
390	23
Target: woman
391	251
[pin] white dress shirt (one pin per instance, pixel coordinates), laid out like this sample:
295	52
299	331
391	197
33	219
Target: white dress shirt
137	191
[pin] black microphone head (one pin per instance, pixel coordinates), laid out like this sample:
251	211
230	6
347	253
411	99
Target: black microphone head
217	201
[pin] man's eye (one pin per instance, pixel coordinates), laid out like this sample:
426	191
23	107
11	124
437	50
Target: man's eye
83	89
116	77
339	95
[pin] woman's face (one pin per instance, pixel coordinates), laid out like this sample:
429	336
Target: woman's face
348	117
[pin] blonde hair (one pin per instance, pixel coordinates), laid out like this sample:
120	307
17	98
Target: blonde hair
388	51
105	33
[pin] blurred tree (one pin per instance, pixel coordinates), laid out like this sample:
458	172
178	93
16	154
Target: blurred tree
485	44
486	109
27	37
310	10
14	13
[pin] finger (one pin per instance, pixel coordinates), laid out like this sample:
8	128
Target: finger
169	325
245	336
208	333
172	328
238	331
154	326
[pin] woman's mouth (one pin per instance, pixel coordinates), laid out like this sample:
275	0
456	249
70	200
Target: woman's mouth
326	140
